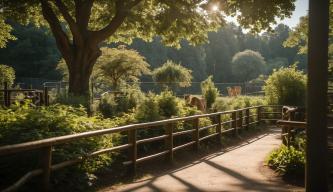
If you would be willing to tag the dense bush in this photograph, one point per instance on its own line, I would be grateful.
(149, 109)
(286, 86)
(168, 104)
(22, 124)
(209, 91)
(172, 75)
(289, 161)
(7, 74)
(111, 106)
(247, 65)
(223, 104)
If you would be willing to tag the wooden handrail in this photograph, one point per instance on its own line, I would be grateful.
(7, 149)
(294, 124)
(240, 120)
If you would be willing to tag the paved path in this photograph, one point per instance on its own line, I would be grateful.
(238, 169)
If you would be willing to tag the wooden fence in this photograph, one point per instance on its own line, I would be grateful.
(237, 120)
(38, 97)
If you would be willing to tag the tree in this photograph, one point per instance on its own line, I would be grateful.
(5, 32)
(171, 74)
(209, 91)
(80, 26)
(34, 53)
(247, 65)
(7, 75)
(118, 65)
(286, 86)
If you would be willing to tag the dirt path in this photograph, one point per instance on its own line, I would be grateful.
(233, 169)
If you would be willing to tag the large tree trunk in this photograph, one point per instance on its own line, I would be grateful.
(80, 69)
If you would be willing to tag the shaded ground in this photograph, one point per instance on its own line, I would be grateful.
(232, 169)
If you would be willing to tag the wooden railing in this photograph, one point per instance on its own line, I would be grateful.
(237, 120)
(38, 97)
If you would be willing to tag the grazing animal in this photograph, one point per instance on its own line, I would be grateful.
(195, 101)
(234, 91)
(237, 90)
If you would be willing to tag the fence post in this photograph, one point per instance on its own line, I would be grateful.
(169, 141)
(5, 95)
(247, 119)
(46, 162)
(259, 109)
(219, 129)
(133, 151)
(240, 117)
(46, 96)
(234, 121)
(196, 135)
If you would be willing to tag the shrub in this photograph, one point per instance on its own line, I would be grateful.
(209, 91)
(286, 86)
(247, 65)
(223, 104)
(149, 109)
(111, 106)
(7, 74)
(171, 75)
(288, 161)
(22, 124)
(168, 104)
(108, 106)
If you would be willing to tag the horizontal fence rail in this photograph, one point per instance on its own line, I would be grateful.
(224, 122)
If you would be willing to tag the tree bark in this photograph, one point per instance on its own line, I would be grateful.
(81, 51)
(80, 69)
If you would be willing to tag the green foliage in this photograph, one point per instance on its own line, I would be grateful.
(247, 65)
(286, 86)
(5, 32)
(111, 106)
(22, 123)
(275, 64)
(117, 65)
(7, 74)
(33, 55)
(149, 109)
(209, 91)
(288, 161)
(224, 103)
(168, 104)
(71, 100)
(171, 74)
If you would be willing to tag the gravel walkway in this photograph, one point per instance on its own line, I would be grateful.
(233, 169)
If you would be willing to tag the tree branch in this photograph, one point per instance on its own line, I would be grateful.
(71, 23)
(122, 9)
(62, 40)
(83, 12)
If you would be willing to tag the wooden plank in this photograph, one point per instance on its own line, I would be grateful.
(169, 141)
(195, 136)
(46, 161)
(132, 134)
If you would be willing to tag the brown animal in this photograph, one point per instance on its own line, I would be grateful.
(237, 90)
(234, 91)
(195, 101)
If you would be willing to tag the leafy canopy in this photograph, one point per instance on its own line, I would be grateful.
(118, 65)
(209, 91)
(172, 74)
(5, 34)
(286, 86)
(247, 65)
(7, 74)
(173, 20)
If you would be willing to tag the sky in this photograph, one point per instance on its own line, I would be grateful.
(301, 9)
